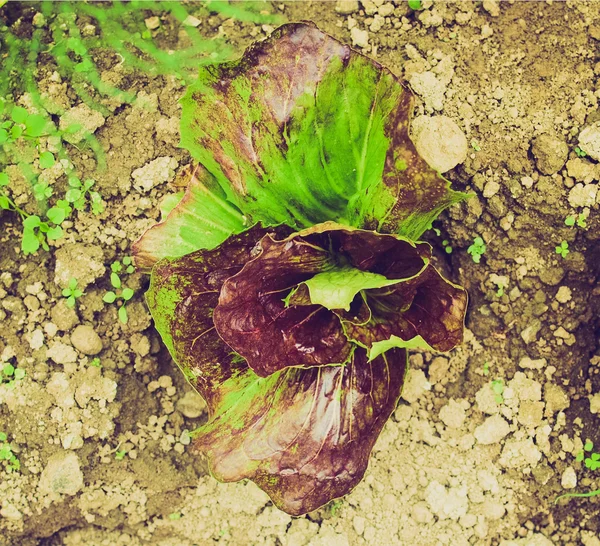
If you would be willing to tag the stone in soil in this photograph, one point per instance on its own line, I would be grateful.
(550, 153)
(191, 405)
(154, 173)
(583, 170)
(589, 140)
(415, 386)
(440, 141)
(346, 7)
(62, 474)
(583, 195)
(85, 263)
(63, 316)
(569, 478)
(451, 503)
(453, 414)
(360, 38)
(85, 339)
(84, 118)
(492, 430)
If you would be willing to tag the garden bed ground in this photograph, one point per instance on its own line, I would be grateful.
(484, 439)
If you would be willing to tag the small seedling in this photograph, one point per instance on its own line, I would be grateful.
(579, 152)
(477, 249)
(79, 191)
(120, 455)
(96, 363)
(6, 454)
(475, 145)
(175, 516)
(563, 249)
(447, 247)
(486, 368)
(335, 506)
(498, 389)
(117, 267)
(72, 293)
(592, 462)
(9, 375)
(121, 292)
(21, 124)
(415, 5)
(36, 233)
(578, 219)
(42, 191)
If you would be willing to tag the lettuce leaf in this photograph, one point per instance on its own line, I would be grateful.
(304, 435)
(301, 130)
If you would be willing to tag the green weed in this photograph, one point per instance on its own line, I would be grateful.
(121, 295)
(563, 249)
(30, 139)
(498, 389)
(12, 463)
(72, 293)
(9, 375)
(591, 461)
(477, 249)
(579, 219)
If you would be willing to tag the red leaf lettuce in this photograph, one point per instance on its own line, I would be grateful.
(272, 290)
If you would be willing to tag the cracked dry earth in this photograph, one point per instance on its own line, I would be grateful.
(484, 439)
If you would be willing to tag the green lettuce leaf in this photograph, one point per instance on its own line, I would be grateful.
(304, 130)
(337, 288)
(202, 219)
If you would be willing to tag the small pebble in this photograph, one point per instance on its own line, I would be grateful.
(85, 339)
(492, 430)
(152, 23)
(550, 153)
(360, 38)
(589, 140)
(440, 141)
(191, 405)
(569, 478)
(346, 7)
(563, 295)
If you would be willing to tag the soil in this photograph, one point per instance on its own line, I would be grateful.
(484, 439)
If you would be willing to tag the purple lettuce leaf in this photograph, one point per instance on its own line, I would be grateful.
(182, 296)
(260, 313)
(254, 320)
(303, 435)
(427, 306)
